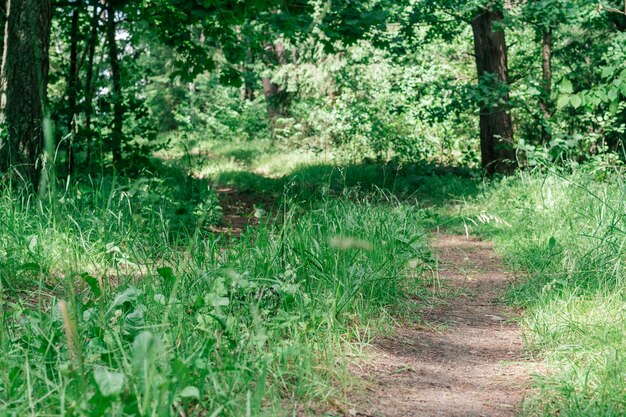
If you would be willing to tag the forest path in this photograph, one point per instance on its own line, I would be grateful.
(465, 359)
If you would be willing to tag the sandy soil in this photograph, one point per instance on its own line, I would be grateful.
(466, 358)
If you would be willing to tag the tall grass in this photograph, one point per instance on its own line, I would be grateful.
(566, 235)
(108, 308)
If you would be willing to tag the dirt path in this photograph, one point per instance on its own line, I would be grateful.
(238, 209)
(465, 360)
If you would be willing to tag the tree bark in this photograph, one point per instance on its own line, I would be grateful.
(546, 66)
(271, 91)
(3, 21)
(116, 76)
(248, 85)
(276, 97)
(91, 51)
(248, 76)
(496, 126)
(72, 90)
(23, 79)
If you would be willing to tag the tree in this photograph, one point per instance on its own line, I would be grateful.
(276, 96)
(496, 126)
(72, 85)
(486, 18)
(89, 90)
(23, 78)
(243, 30)
(116, 77)
(546, 16)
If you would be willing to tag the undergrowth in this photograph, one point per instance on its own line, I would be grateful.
(118, 300)
(110, 307)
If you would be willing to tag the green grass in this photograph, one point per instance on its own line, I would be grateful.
(110, 307)
(309, 175)
(566, 236)
(117, 300)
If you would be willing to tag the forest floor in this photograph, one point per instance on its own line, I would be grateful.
(456, 347)
(464, 359)
(464, 356)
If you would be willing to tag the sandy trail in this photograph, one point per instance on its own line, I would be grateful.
(465, 360)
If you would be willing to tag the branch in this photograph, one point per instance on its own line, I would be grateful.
(456, 16)
(613, 9)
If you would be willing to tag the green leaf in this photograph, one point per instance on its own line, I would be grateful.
(551, 243)
(566, 87)
(30, 266)
(190, 392)
(167, 274)
(576, 100)
(217, 301)
(562, 101)
(133, 323)
(109, 383)
(168, 279)
(89, 314)
(607, 72)
(93, 284)
(128, 295)
(146, 347)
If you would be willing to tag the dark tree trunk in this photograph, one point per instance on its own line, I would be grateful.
(277, 98)
(496, 127)
(248, 76)
(546, 66)
(24, 77)
(118, 105)
(271, 91)
(193, 88)
(248, 91)
(3, 21)
(72, 82)
(91, 51)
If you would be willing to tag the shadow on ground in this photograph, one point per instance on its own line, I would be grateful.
(429, 184)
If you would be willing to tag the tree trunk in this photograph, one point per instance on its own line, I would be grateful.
(248, 85)
(23, 78)
(277, 98)
(118, 105)
(546, 66)
(248, 76)
(72, 81)
(496, 127)
(91, 51)
(3, 21)
(271, 91)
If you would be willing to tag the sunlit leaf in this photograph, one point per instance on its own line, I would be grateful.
(562, 101)
(109, 383)
(190, 392)
(566, 87)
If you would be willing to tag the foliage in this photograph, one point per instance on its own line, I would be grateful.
(356, 126)
(254, 326)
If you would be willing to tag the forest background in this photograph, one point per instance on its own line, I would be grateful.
(125, 125)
